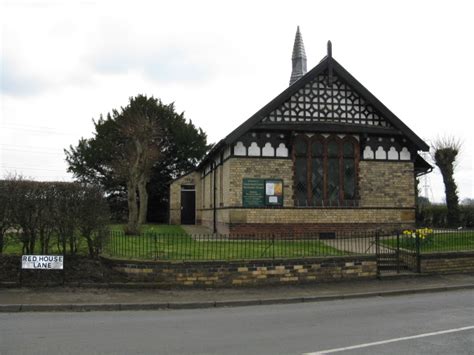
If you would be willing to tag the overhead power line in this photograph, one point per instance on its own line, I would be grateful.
(32, 168)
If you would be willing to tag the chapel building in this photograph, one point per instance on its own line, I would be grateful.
(325, 156)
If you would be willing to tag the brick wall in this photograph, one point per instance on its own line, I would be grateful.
(250, 273)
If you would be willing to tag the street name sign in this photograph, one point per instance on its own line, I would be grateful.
(44, 262)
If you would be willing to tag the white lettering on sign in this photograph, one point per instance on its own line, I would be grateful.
(52, 262)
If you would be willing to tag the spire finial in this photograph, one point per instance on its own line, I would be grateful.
(330, 75)
(298, 58)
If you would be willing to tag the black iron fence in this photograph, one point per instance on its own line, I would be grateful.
(155, 246)
(183, 247)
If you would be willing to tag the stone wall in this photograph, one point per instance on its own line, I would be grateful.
(450, 262)
(175, 196)
(240, 168)
(308, 220)
(386, 190)
(386, 184)
(250, 273)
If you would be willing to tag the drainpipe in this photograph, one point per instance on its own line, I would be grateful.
(215, 198)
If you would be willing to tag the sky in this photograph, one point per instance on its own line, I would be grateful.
(63, 63)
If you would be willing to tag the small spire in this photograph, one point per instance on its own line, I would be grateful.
(298, 58)
(330, 73)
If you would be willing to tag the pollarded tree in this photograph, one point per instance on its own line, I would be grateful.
(444, 152)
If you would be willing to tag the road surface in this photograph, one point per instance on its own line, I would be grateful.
(438, 323)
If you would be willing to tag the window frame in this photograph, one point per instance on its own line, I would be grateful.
(324, 202)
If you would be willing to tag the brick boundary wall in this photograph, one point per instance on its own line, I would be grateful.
(299, 229)
(249, 273)
(449, 262)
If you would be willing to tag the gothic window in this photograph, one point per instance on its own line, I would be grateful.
(301, 171)
(325, 170)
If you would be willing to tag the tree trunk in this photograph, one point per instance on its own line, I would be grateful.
(143, 194)
(132, 226)
(452, 200)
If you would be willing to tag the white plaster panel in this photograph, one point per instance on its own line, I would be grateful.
(254, 150)
(405, 154)
(380, 153)
(239, 149)
(282, 150)
(392, 154)
(368, 153)
(268, 151)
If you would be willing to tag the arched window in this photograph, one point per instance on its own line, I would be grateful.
(325, 170)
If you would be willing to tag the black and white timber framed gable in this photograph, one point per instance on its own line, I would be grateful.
(327, 100)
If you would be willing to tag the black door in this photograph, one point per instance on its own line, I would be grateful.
(188, 205)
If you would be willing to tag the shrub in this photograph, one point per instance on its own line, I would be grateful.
(38, 211)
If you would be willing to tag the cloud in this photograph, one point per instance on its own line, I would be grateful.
(16, 82)
(166, 65)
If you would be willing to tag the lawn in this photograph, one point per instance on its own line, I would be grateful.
(160, 242)
(439, 242)
(13, 245)
(170, 242)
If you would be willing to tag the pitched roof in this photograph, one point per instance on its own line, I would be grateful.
(350, 80)
(327, 63)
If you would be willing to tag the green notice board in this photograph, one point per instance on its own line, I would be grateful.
(253, 193)
(262, 192)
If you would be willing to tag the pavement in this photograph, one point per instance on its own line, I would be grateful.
(104, 297)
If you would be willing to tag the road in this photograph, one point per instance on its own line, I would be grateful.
(443, 322)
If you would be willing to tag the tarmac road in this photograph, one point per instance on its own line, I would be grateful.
(442, 323)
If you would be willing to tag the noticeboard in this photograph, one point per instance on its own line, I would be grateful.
(262, 192)
(253, 194)
(274, 192)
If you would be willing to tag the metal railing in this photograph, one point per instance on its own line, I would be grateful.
(156, 246)
(183, 247)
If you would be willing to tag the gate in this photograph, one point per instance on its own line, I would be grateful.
(395, 256)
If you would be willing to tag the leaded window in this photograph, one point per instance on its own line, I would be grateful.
(325, 170)
(301, 169)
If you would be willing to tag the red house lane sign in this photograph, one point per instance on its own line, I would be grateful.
(42, 262)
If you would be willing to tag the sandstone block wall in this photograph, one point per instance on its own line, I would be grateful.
(386, 184)
(250, 273)
(386, 191)
(445, 263)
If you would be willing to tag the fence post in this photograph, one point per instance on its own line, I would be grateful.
(155, 248)
(418, 259)
(398, 252)
(273, 246)
(377, 251)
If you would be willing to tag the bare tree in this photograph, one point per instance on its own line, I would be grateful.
(445, 151)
